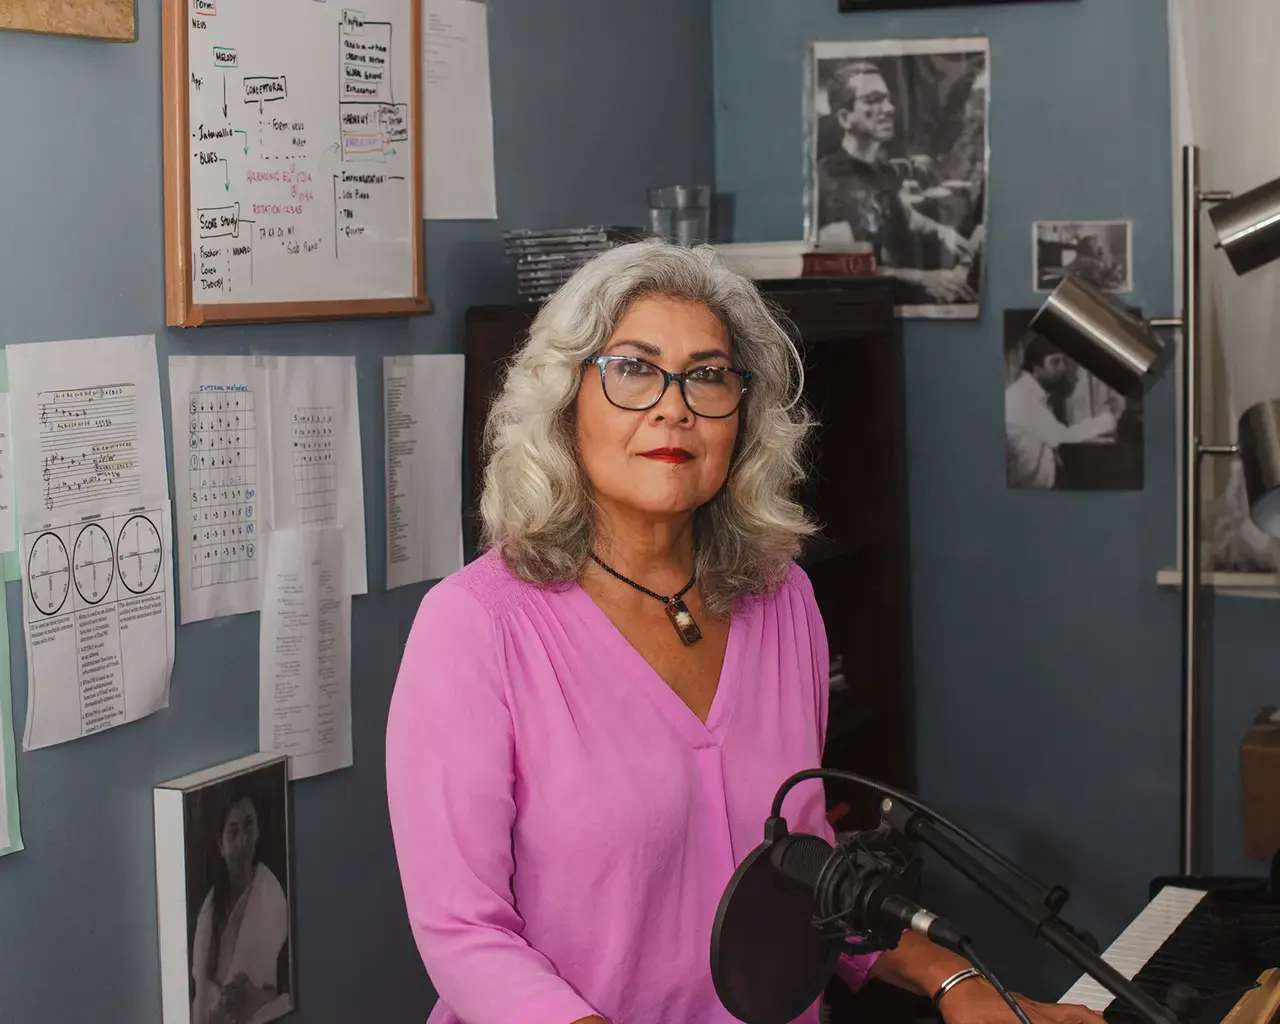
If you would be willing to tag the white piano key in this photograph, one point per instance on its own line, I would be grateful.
(1137, 944)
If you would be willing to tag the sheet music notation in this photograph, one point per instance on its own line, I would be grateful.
(88, 444)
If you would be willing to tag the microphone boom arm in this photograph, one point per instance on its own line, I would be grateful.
(915, 820)
(1053, 896)
(1042, 921)
(1046, 926)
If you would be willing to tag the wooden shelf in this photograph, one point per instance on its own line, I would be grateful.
(1228, 584)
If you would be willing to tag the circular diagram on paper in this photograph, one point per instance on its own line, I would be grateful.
(138, 554)
(48, 573)
(92, 563)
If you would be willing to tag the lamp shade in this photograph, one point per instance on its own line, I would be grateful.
(1248, 227)
(1259, 442)
(1108, 341)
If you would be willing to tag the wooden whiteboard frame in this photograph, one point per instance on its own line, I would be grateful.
(180, 308)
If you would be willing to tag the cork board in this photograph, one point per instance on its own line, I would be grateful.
(93, 19)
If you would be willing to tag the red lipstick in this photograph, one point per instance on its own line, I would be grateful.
(672, 455)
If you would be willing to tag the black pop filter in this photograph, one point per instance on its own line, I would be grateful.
(768, 960)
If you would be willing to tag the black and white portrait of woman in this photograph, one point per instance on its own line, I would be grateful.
(238, 904)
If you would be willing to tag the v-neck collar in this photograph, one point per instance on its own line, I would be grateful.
(682, 717)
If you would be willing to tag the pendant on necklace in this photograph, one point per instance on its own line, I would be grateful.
(680, 616)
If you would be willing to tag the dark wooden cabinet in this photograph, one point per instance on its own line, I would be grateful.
(492, 334)
(857, 489)
(852, 350)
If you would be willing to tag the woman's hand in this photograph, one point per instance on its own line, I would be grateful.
(919, 966)
(976, 1002)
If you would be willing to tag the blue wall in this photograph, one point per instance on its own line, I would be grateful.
(582, 125)
(1047, 669)
(1047, 666)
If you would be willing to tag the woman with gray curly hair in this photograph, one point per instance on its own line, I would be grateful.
(592, 718)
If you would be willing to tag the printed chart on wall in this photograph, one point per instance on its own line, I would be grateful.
(304, 652)
(422, 409)
(96, 543)
(222, 481)
(260, 443)
(317, 479)
(302, 178)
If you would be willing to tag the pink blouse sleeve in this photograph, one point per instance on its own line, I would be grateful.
(450, 791)
(854, 970)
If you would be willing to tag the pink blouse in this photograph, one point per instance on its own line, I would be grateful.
(565, 825)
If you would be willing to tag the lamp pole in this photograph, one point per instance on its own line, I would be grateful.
(1191, 522)
(1193, 453)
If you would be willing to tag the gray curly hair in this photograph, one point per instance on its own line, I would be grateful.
(537, 507)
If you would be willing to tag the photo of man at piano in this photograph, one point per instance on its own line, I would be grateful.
(899, 149)
(1065, 429)
(1100, 252)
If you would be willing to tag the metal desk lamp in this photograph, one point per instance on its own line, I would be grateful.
(1124, 352)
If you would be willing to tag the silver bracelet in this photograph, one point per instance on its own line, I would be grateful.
(953, 981)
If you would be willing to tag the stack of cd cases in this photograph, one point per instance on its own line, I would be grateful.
(546, 258)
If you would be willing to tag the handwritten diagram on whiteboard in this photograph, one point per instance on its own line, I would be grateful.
(301, 157)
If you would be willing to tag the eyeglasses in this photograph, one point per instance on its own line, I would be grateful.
(712, 392)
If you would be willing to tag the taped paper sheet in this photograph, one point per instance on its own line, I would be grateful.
(96, 544)
(260, 442)
(219, 409)
(304, 678)
(10, 819)
(457, 150)
(8, 515)
(316, 470)
(423, 412)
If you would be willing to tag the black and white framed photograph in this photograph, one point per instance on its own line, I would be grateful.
(1097, 251)
(223, 887)
(1065, 430)
(852, 6)
(898, 153)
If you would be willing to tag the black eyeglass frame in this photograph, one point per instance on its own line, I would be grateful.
(668, 378)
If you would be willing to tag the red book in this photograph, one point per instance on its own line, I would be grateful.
(839, 264)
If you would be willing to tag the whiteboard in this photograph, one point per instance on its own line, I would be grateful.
(293, 181)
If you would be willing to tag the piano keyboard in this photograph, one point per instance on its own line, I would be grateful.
(1137, 944)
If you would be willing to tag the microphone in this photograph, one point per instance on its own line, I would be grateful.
(858, 884)
(796, 903)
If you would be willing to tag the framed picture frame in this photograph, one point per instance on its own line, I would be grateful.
(897, 155)
(248, 242)
(854, 6)
(224, 866)
(110, 20)
(1100, 251)
(1065, 430)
